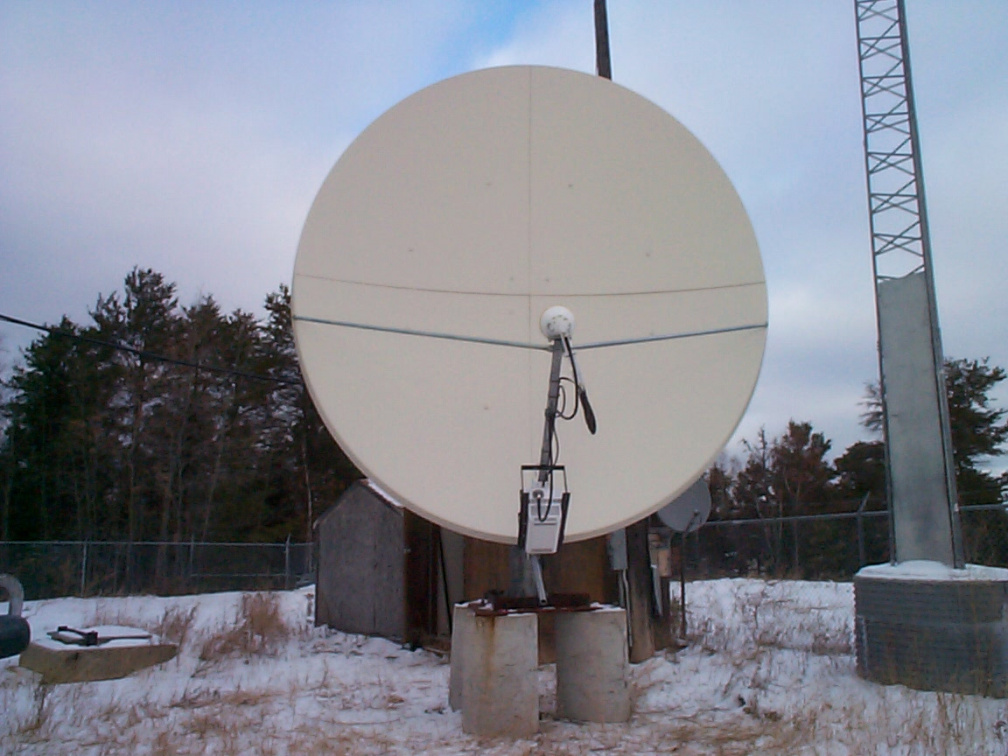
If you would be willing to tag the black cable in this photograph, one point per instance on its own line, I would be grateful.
(570, 356)
(576, 380)
(145, 354)
(580, 393)
(549, 507)
(574, 411)
(562, 397)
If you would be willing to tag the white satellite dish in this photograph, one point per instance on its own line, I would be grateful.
(689, 510)
(445, 232)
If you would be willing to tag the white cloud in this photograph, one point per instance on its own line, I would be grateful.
(192, 138)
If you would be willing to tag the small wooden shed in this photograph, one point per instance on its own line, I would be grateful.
(383, 570)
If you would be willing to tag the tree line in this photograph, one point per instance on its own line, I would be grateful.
(791, 474)
(111, 433)
(163, 422)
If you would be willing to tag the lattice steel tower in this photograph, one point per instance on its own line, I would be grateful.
(920, 476)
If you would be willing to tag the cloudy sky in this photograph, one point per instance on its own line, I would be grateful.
(192, 137)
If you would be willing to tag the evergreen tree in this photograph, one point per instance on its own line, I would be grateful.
(978, 430)
(168, 423)
(978, 433)
(47, 439)
(782, 477)
(310, 469)
(800, 473)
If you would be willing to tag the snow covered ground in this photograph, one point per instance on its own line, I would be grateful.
(769, 669)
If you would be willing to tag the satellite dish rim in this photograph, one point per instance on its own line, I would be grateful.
(319, 386)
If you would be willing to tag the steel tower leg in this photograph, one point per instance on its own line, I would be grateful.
(920, 475)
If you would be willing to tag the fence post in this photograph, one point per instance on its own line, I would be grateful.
(794, 534)
(287, 563)
(860, 532)
(83, 569)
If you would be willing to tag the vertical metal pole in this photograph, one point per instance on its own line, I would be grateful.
(682, 585)
(552, 399)
(83, 569)
(530, 564)
(287, 563)
(860, 532)
(794, 534)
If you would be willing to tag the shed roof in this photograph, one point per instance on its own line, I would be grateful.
(368, 485)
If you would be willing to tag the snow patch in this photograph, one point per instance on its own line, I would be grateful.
(769, 669)
(924, 569)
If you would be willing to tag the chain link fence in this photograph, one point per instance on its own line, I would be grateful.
(824, 546)
(811, 547)
(89, 568)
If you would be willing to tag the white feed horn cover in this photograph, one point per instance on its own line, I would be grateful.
(556, 322)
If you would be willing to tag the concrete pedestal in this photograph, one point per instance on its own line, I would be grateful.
(463, 620)
(592, 666)
(930, 627)
(493, 673)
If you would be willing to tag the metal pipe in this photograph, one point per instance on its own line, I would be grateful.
(15, 634)
(15, 594)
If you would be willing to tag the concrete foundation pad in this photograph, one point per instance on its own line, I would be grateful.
(493, 673)
(592, 666)
(61, 663)
(927, 626)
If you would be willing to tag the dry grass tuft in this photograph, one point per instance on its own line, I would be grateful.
(222, 700)
(36, 725)
(260, 630)
(213, 727)
(175, 625)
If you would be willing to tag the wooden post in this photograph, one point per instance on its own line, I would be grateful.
(640, 599)
(603, 63)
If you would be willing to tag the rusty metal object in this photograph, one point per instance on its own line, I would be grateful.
(496, 604)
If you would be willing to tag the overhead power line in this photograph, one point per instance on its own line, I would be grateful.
(145, 355)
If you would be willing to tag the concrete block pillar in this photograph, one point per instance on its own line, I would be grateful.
(592, 666)
(463, 620)
(493, 673)
(931, 627)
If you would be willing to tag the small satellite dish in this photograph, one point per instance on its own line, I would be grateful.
(689, 510)
(442, 238)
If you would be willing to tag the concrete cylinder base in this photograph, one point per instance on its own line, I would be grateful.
(592, 666)
(463, 619)
(493, 673)
(927, 626)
